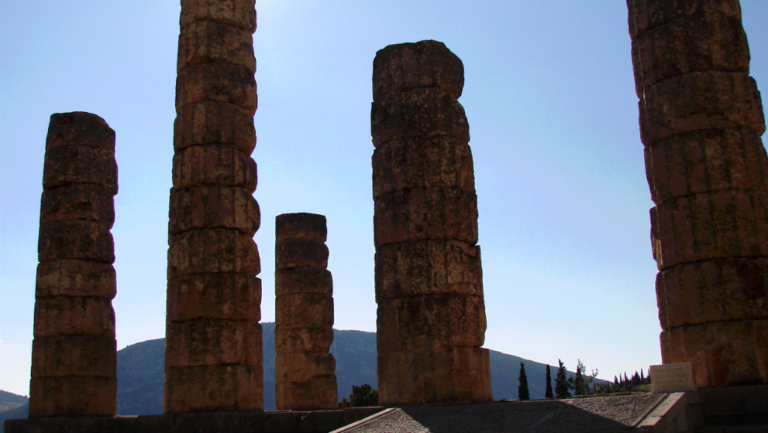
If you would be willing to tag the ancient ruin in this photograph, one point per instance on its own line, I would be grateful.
(429, 289)
(213, 354)
(74, 355)
(701, 119)
(305, 371)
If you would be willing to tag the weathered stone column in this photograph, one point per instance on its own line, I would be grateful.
(305, 371)
(213, 357)
(74, 357)
(701, 119)
(429, 288)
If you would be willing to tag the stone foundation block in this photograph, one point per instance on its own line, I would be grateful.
(403, 67)
(213, 250)
(431, 162)
(237, 13)
(317, 394)
(304, 226)
(67, 165)
(722, 354)
(214, 165)
(700, 100)
(211, 41)
(233, 84)
(79, 129)
(428, 268)
(692, 43)
(81, 240)
(648, 14)
(213, 342)
(709, 226)
(301, 339)
(459, 375)
(424, 113)
(74, 355)
(62, 315)
(713, 291)
(213, 388)
(75, 278)
(706, 161)
(211, 122)
(306, 309)
(78, 202)
(425, 214)
(303, 367)
(226, 296)
(212, 208)
(295, 281)
(72, 396)
(430, 322)
(297, 253)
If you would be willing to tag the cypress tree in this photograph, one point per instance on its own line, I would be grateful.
(579, 384)
(548, 392)
(561, 382)
(522, 389)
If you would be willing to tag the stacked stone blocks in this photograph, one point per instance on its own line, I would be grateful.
(74, 358)
(701, 119)
(305, 370)
(431, 313)
(213, 338)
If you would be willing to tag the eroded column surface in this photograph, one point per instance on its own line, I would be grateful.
(305, 371)
(74, 358)
(429, 288)
(701, 119)
(213, 358)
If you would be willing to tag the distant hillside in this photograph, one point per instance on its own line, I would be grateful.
(140, 372)
(10, 401)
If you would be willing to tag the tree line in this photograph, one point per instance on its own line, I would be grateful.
(581, 384)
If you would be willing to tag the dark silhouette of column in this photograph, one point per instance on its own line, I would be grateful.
(429, 289)
(74, 357)
(701, 119)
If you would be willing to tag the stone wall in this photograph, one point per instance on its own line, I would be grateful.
(429, 289)
(74, 357)
(213, 338)
(305, 370)
(701, 119)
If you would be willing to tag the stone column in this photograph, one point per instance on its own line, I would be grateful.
(213, 355)
(429, 288)
(701, 119)
(305, 371)
(74, 357)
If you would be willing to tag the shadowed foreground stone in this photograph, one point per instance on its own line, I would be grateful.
(305, 371)
(701, 118)
(213, 359)
(74, 358)
(431, 313)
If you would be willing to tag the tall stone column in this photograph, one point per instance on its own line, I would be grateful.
(305, 371)
(74, 357)
(701, 119)
(213, 358)
(429, 288)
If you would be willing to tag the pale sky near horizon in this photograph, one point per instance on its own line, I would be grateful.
(550, 98)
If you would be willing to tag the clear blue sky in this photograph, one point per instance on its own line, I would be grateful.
(549, 95)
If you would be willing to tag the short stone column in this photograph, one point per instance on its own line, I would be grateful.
(305, 371)
(213, 359)
(701, 119)
(74, 357)
(429, 288)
